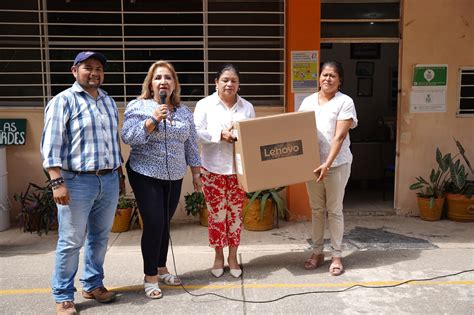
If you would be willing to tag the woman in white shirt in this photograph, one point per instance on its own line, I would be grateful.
(214, 117)
(335, 115)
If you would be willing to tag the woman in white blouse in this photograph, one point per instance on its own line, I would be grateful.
(214, 117)
(335, 115)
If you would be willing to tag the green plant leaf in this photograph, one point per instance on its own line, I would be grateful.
(416, 186)
(125, 202)
(439, 156)
(434, 176)
(194, 203)
(458, 177)
(445, 162)
(263, 202)
(263, 196)
(254, 196)
(432, 201)
(422, 180)
(280, 204)
(460, 147)
(463, 154)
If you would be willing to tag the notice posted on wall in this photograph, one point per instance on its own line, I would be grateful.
(304, 71)
(299, 97)
(427, 101)
(428, 91)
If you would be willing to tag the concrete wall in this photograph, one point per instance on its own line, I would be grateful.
(433, 32)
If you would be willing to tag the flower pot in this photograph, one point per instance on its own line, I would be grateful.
(432, 213)
(460, 208)
(252, 221)
(136, 219)
(122, 220)
(203, 216)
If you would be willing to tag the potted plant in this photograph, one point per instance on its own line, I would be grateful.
(195, 204)
(123, 214)
(38, 211)
(460, 190)
(431, 196)
(136, 218)
(260, 207)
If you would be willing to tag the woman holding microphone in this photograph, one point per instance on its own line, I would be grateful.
(163, 140)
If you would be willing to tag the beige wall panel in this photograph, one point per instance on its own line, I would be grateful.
(434, 32)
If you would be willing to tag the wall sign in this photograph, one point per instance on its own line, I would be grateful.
(429, 86)
(12, 131)
(430, 75)
(304, 71)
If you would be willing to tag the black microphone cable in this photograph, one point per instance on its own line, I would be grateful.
(163, 96)
(286, 295)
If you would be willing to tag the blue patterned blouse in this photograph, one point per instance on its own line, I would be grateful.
(149, 155)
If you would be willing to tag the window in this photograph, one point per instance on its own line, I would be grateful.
(466, 92)
(375, 19)
(40, 39)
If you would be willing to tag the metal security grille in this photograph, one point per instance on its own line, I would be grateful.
(367, 21)
(40, 38)
(466, 92)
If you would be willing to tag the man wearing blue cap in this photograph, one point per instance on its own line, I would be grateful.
(81, 151)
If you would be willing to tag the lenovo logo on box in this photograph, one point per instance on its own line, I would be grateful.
(263, 151)
(281, 150)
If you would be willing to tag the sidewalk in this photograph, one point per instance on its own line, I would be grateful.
(379, 250)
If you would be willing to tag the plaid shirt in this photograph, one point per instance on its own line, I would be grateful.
(80, 133)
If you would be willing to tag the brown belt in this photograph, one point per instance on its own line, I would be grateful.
(98, 172)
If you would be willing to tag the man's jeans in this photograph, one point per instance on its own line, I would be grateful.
(88, 217)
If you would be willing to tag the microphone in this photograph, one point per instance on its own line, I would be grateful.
(163, 102)
(162, 97)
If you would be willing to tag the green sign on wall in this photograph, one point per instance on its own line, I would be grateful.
(12, 131)
(430, 75)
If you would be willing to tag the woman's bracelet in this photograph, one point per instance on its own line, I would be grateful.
(154, 120)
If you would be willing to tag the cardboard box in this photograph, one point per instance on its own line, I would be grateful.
(276, 150)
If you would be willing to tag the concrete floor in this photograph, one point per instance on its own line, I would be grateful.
(378, 251)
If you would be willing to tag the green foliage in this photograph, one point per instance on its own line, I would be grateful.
(450, 176)
(264, 195)
(125, 202)
(459, 183)
(38, 211)
(435, 187)
(194, 202)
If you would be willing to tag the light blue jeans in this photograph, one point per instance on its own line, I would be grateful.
(88, 217)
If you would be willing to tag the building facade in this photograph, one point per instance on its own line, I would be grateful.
(378, 42)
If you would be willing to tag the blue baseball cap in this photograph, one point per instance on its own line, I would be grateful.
(84, 55)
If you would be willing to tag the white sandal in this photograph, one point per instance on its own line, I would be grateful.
(151, 289)
(169, 279)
